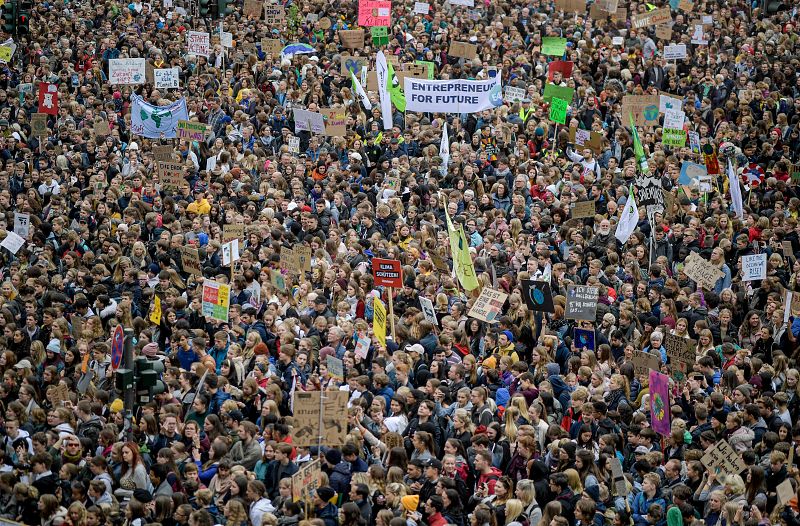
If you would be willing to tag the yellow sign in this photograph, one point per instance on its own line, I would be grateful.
(5, 54)
(155, 314)
(379, 321)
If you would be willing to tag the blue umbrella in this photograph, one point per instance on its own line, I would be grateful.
(297, 49)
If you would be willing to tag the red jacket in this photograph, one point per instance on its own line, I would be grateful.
(490, 479)
(437, 520)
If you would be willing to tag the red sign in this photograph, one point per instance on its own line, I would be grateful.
(48, 98)
(561, 66)
(387, 272)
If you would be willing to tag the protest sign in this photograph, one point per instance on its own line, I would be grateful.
(380, 35)
(698, 269)
(651, 18)
(428, 310)
(659, 403)
(583, 209)
(288, 259)
(514, 94)
(374, 13)
(22, 224)
(673, 118)
(422, 8)
(722, 458)
(335, 367)
(127, 71)
(560, 66)
(617, 477)
(644, 109)
(216, 300)
(271, 46)
(675, 52)
(489, 305)
(190, 261)
(664, 33)
(48, 98)
(231, 232)
(334, 418)
(588, 139)
(306, 407)
(452, 96)
(649, 195)
(230, 252)
(198, 43)
(387, 272)
(274, 14)
(252, 8)
(170, 174)
(167, 78)
(39, 125)
(675, 137)
(691, 172)
(335, 121)
(352, 38)
(754, 267)
(581, 302)
(554, 46)
(785, 490)
(562, 92)
(277, 280)
(558, 110)
(306, 481)
(571, 6)
(669, 102)
(157, 122)
(463, 50)
(465, 3)
(310, 121)
(5, 54)
(583, 339)
(379, 321)
(681, 355)
(362, 345)
(643, 362)
(193, 131)
(303, 254)
(294, 144)
(537, 295)
(430, 67)
(162, 152)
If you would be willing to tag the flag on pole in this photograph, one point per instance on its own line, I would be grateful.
(638, 151)
(395, 91)
(359, 89)
(382, 71)
(628, 219)
(736, 191)
(459, 250)
(444, 149)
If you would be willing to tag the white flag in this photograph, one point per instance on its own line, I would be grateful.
(628, 220)
(360, 92)
(444, 149)
(230, 252)
(382, 70)
(736, 191)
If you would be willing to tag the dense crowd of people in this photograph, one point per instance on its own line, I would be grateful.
(452, 420)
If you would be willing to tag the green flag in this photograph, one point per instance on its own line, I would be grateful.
(395, 91)
(638, 151)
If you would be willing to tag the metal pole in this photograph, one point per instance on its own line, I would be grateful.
(129, 396)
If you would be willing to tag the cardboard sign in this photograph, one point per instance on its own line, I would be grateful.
(571, 6)
(162, 153)
(352, 38)
(198, 43)
(681, 355)
(592, 140)
(277, 280)
(785, 490)
(620, 484)
(306, 481)
(274, 14)
(170, 174)
(288, 259)
(488, 305)
(463, 50)
(723, 458)
(644, 109)
(537, 295)
(354, 64)
(303, 257)
(128, 71)
(583, 209)
(39, 125)
(374, 13)
(754, 267)
(307, 407)
(701, 271)
(193, 131)
(190, 261)
(101, 128)
(581, 302)
(271, 46)
(664, 33)
(651, 18)
(335, 121)
(252, 8)
(335, 368)
(674, 118)
(231, 232)
(387, 272)
(379, 320)
(644, 362)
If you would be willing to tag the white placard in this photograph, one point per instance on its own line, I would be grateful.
(128, 71)
(22, 224)
(294, 144)
(305, 120)
(226, 39)
(708, 20)
(675, 52)
(230, 252)
(754, 267)
(665, 102)
(12, 242)
(211, 163)
(788, 310)
(513, 93)
(467, 3)
(674, 119)
(198, 43)
(422, 8)
(428, 311)
(617, 41)
(698, 37)
(582, 136)
(167, 78)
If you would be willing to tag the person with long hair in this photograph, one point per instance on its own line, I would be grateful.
(134, 474)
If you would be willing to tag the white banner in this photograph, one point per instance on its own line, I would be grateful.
(198, 44)
(665, 102)
(126, 71)
(305, 120)
(422, 8)
(167, 78)
(453, 96)
(675, 52)
(674, 119)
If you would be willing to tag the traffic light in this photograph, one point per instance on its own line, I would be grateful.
(144, 379)
(24, 10)
(9, 10)
(208, 9)
(225, 8)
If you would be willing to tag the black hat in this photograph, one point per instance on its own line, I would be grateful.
(142, 495)
(325, 493)
(434, 463)
(236, 415)
(333, 456)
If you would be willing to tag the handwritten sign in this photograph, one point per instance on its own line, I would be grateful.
(39, 125)
(488, 305)
(754, 267)
(374, 13)
(644, 109)
(583, 209)
(701, 271)
(167, 78)
(252, 8)
(190, 260)
(126, 71)
(722, 458)
(422, 8)
(231, 232)
(352, 38)
(305, 120)
(274, 14)
(651, 18)
(463, 50)
(643, 362)
(558, 110)
(306, 481)
(198, 43)
(170, 174)
(680, 352)
(581, 302)
(193, 131)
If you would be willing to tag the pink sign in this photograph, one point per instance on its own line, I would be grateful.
(374, 13)
(659, 403)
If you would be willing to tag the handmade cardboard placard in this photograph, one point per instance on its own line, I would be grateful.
(352, 38)
(571, 6)
(587, 139)
(644, 109)
(463, 50)
(274, 14)
(583, 209)
(651, 18)
(723, 458)
(581, 302)
(253, 8)
(489, 305)
(335, 121)
(643, 362)
(354, 64)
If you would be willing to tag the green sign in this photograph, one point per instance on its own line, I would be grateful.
(554, 46)
(558, 110)
(673, 137)
(380, 35)
(429, 65)
(562, 92)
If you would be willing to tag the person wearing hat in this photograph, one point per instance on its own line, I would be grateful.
(338, 471)
(323, 508)
(433, 468)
